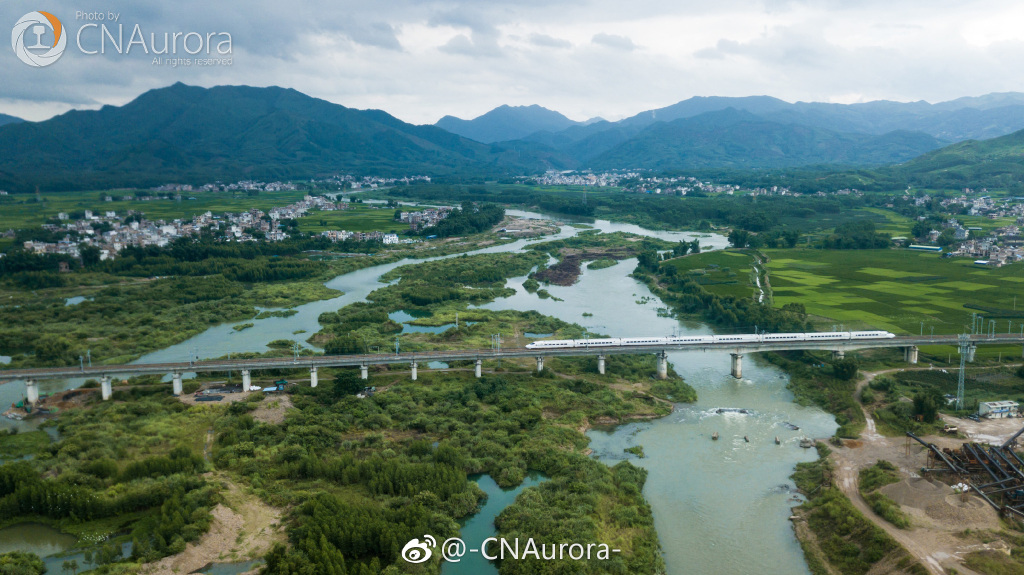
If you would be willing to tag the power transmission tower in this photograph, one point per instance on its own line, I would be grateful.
(964, 341)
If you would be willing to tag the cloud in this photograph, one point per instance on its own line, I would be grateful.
(545, 41)
(478, 45)
(614, 41)
(377, 34)
(422, 59)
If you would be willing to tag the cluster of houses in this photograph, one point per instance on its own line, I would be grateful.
(111, 232)
(574, 178)
(343, 235)
(244, 185)
(425, 218)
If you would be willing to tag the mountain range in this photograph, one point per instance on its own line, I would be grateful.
(725, 130)
(189, 134)
(5, 119)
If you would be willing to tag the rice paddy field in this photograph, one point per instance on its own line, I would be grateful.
(357, 218)
(722, 272)
(897, 290)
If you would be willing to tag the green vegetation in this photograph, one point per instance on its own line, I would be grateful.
(879, 475)
(18, 563)
(355, 218)
(124, 469)
(601, 264)
(722, 272)
(14, 445)
(28, 212)
(894, 290)
(242, 326)
(637, 450)
(813, 381)
(837, 537)
(368, 474)
(686, 293)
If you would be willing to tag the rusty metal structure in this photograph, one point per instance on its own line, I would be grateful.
(994, 472)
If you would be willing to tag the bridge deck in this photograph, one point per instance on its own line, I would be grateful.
(219, 365)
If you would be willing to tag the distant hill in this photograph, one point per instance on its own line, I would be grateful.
(192, 135)
(507, 123)
(5, 119)
(997, 162)
(737, 139)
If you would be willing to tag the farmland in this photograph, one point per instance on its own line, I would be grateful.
(723, 272)
(357, 218)
(897, 290)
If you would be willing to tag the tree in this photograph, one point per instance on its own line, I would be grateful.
(398, 215)
(739, 238)
(20, 563)
(347, 382)
(926, 406)
(921, 229)
(845, 369)
(90, 255)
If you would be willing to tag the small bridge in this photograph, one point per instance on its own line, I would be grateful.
(909, 344)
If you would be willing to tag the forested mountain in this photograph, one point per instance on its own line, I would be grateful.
(193, 135)
(783, 134)
(5, 119)
(997, 162)
(506, 123)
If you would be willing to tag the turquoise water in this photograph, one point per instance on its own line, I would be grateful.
(481, 525)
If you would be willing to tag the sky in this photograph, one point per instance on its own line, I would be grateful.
(421, 60)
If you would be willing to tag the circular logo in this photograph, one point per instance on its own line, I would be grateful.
(27, 39)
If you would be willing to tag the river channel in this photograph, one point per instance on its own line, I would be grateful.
(720, 507)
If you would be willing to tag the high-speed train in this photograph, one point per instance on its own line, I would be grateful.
(706, 339)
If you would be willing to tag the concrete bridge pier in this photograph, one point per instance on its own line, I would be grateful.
(176, 382)
(737, 365)
(364, 371)
(838, 354)
(105, 390)
(31, 392)
(540, 363)
(478, 370)
(662, 365)
(600, 364)
(912, 354)
(246, 380)
(414, 366)
(970, 353)
(313, 377)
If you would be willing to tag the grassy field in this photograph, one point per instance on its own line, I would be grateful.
(896, 290)
(32, 215)
(721, 272)
(357, 218)
(894, 224)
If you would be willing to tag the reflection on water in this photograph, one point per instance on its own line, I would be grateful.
(481, 525)
(35, 538)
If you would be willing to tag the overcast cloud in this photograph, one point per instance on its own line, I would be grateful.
(420, 60)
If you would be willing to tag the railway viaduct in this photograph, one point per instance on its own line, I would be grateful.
(909, 344)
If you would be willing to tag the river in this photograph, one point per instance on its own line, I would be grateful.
(719, 506)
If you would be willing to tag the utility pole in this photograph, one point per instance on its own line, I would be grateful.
(88, 357)
(964, 341)
(396, 345)
(295, 351)
(81, 363)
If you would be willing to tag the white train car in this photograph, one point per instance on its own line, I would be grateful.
(871, 335)
(708, 339)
